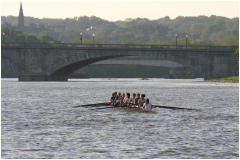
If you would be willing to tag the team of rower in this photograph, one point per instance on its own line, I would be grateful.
(137, 100)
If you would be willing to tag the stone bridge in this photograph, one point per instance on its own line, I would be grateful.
(54, 62)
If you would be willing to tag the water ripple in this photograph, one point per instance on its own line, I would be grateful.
(39, 122)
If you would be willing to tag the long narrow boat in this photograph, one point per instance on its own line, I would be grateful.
(128, 107)
(136, 109)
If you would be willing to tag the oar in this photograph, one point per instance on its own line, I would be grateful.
(113, 106)
(105, 107)
(168, 107)
(93, 105)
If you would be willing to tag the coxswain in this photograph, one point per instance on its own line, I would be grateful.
(147, 104)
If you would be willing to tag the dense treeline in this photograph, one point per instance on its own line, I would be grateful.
(13, 35)
(201, 30)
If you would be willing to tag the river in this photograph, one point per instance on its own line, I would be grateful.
(39, 120)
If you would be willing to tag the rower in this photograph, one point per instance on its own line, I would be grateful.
(116, 101)
(113, 97)
(121, 98)
(147, 104)
(136, 100)
(127, 98)
(132, 100)
(142, 100)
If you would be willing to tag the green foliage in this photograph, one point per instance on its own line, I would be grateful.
(12, 35)
(213, 30)
(154, 37)
(84, 41)
(196, 29)
(227, 41)
(235, 78)
(46, 39)
(237, 50)
(50, 33)
(127, 38)
(31, 39)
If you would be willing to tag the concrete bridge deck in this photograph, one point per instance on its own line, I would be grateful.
(118, 46)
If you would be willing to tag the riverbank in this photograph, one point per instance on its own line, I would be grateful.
(225, 80)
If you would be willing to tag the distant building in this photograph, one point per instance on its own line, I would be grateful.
(57, 28)
(35, 28)
(21, 19)
(89, 29)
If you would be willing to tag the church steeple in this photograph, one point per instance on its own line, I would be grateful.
(21, 19)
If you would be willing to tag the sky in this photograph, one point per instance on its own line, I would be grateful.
(114, 10)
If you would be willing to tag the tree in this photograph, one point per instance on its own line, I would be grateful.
(12, 35)
(51, 33)
(196, 30)
(46, 39)
(100, 35)
(237, 50)
(219, 24)
(31, 39)
(72, 34)
(201, 29)
(127, 37)
(227, 41)
(226, 33)
(154, 37)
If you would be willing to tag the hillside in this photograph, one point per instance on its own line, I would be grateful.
(213, 30)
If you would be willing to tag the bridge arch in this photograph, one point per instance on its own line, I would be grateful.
(66, 70)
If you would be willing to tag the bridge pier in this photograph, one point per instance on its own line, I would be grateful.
(41, 78)
(57, 78)
(29, 77)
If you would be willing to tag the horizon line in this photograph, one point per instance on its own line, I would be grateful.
(120, 20)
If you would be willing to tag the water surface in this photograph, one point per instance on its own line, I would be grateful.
(38, 120)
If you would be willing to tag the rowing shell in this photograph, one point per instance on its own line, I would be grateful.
(137, 109)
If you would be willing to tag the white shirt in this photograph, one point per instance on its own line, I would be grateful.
(148, 105)
(127, 100)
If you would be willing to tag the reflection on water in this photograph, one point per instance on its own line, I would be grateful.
(39, 122)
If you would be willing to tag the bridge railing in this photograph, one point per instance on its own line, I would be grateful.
(115, 46)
